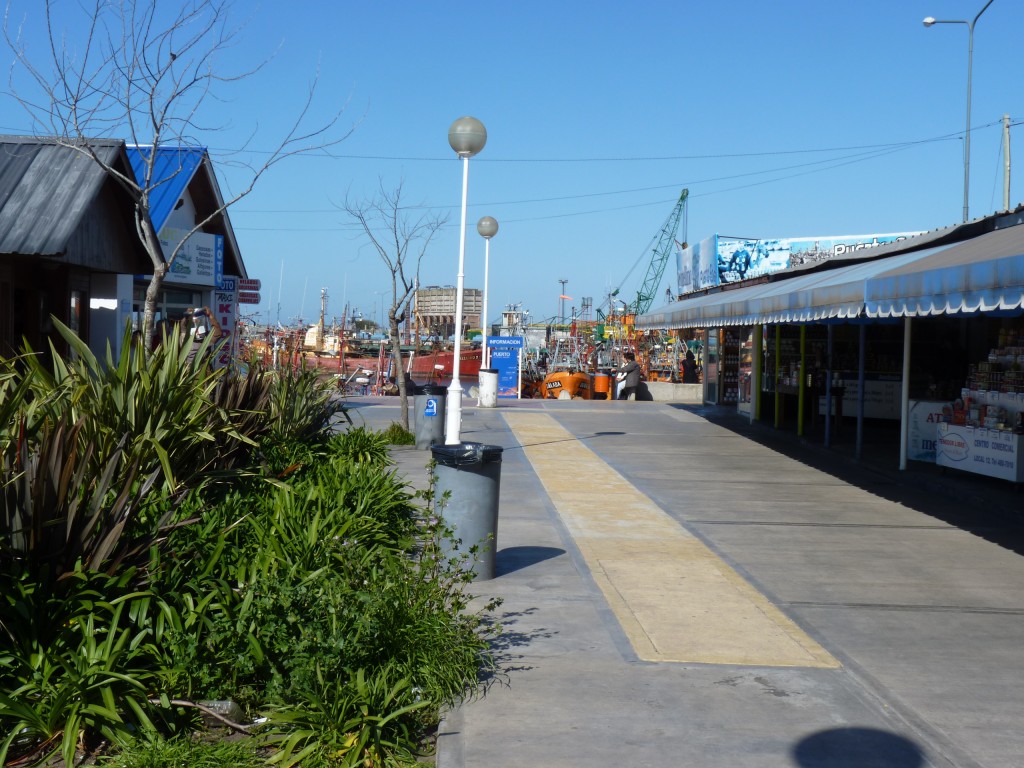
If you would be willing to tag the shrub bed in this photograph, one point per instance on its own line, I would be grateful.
(172, 535)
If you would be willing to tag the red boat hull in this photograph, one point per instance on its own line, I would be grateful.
(438, 366)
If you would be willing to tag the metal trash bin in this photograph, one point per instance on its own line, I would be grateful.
(488, 388)
(469, 474)
(429, 412)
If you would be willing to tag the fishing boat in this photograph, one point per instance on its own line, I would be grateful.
(438, 365)
(568, 385)
(567, 375)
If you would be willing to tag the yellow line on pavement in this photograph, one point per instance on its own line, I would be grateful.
(675, 599)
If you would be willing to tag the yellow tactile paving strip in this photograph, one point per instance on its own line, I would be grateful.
(675, 599)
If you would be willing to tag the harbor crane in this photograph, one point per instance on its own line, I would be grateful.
(660, 254)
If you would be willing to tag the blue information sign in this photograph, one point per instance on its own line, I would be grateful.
(505, 352)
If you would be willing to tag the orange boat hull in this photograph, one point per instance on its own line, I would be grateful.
(563, 385)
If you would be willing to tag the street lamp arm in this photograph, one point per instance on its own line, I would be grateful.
(981, 12)
(929, 21)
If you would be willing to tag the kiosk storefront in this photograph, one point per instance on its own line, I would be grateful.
(906, 298)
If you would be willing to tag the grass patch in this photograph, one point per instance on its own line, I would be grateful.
(195, 753)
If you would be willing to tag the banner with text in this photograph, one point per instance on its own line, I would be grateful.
(717, 260)
(506, 354)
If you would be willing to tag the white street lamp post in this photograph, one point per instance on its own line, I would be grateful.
(929, 21)
(467, 137)
(488, 228)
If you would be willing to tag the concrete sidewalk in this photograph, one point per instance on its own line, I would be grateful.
(858, 619)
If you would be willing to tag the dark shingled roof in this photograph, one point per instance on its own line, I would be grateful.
(45, 189)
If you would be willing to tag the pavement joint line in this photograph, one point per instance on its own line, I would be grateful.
(674, 598)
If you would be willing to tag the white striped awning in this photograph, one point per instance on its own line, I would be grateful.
(983, 274)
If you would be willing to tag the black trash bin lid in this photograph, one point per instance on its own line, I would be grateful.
(432, 389)
(465, 454)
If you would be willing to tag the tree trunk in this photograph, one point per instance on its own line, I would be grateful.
(396, 356)
(151, 242)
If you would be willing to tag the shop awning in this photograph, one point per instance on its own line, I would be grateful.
(808, 297)
(983, 274)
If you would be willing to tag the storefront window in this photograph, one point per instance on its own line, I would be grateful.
(75, 312)
(746, 369)
(170, 305)
(711, 366)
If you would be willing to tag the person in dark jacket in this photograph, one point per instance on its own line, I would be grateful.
(690, 369)
(628, 376)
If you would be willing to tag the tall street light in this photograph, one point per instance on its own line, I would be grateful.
(561, 301)
(929, 21)
(467, 137)
(488, 228)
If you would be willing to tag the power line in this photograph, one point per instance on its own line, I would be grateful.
(826, 164)
(637, 159)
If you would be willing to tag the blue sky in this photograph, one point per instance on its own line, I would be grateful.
(790, 118)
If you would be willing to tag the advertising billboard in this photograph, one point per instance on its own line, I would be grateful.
(718, 260)
(698, 265)
(200, 260)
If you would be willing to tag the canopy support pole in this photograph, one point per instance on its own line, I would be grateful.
(755, 375)
(778, 366)
(905, 395)
(828, 389)
(861, 362)
(801, 398)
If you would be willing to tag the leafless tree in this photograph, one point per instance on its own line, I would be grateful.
(144, 74)
(401, 239)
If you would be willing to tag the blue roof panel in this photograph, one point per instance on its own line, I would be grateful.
(173, 169)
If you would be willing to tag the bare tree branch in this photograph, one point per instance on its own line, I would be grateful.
(401, 240)
(141, 73)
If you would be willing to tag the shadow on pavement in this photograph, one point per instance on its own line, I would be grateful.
(511, 559)
(988, 508)
(857, 748)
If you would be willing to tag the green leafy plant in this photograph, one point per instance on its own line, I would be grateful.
(57, 511)
(78, 663)
(396, 434)
(363, 446)
(158, 752)
(155, 411)
(303, 405)
(131, 586)
(353, 720)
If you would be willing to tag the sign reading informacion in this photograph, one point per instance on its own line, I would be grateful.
(506, 352)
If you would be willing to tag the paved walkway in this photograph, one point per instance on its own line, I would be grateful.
(680, 590)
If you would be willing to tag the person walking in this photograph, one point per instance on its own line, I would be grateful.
(628, 376)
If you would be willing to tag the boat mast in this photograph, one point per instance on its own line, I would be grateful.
(320, 328)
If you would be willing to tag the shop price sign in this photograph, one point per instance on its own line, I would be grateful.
(990, 452)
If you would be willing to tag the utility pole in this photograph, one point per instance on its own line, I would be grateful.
(1006, 162)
